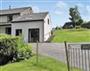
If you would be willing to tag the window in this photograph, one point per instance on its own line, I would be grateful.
(33, 35)
(18, 32)
(8, 30)
(48, 21)
(10, 18)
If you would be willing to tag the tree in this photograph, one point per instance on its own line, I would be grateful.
(75, 16)
(79, 23)
(86, 25)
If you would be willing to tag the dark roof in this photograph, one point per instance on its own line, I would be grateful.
(31, 17)
(13, 11)
(68, 25)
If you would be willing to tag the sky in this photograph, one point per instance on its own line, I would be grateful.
(58, 9)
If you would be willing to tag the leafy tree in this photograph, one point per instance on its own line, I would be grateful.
(86, 25)
(79, 23)
(75, 16)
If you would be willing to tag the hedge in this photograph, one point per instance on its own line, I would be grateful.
(12, 49)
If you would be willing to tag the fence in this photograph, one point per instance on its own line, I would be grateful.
(78, 55)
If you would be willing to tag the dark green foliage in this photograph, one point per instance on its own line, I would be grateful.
(7, 48)
(58, 28)
(86, 25)
(79, 23)
(13, 49)
(75, 16)
(24, 50)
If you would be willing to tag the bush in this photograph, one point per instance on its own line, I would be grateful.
(86, 25)
(23, 49)
(7, 48)
(13, 49)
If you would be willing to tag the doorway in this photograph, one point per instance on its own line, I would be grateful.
(33, 35)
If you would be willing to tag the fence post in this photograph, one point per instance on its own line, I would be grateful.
(37, 53)
(66, 50)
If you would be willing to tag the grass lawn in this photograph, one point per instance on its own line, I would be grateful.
(45, 64)
(72, 35)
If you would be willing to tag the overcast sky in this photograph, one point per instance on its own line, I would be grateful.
(58, 9)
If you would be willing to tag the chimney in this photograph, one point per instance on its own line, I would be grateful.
(9, 7)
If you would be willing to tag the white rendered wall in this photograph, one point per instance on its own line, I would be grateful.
(2, 29)
(28, 25)
(47, 28)
(3, 18)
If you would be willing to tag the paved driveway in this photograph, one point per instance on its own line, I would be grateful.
(55, 50)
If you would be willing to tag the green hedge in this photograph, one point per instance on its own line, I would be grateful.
(13, 48)
(24, 50)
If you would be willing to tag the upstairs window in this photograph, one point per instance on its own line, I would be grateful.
(48, 21)
(10, 17)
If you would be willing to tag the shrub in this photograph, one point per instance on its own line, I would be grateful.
(7, 48)
(13, 49)
(86, 25)
(23, 49)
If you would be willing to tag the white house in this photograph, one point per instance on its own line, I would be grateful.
(33, 26)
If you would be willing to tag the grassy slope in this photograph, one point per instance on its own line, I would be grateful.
(45, 64)
(72, 36)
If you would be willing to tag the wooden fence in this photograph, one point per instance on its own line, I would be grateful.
(78, 56)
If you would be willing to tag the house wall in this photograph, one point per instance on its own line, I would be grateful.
(47, 28)
(28, 25)
(15, 16)
(3, 18)
(2, 29)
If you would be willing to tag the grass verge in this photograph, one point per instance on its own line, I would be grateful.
(45, 64)
(71, 35)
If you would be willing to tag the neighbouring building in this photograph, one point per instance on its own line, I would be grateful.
(23, 21)
(68, 25)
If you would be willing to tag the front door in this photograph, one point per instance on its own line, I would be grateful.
(33, 35)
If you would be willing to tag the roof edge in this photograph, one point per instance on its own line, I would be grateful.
(15, 8)
(27, 21)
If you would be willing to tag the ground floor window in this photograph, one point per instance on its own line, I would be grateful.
(8, 30)
(33, 35)
(18, 32)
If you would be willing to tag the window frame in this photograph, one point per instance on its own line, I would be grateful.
(48, 21)
(18, 32)
(10, 18)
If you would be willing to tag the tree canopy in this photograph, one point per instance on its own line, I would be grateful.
(75, 16)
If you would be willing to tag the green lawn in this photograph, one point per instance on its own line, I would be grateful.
(73, 35)
(45, 64)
